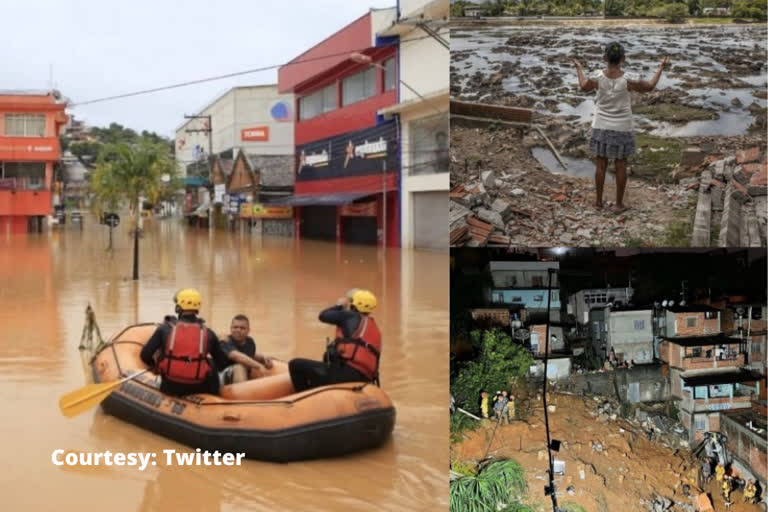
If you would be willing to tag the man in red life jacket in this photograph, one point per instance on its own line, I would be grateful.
(354, 354)
(183, 349)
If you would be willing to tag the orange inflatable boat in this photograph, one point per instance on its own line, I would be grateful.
(264, 418)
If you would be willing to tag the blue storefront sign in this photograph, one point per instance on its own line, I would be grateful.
(357, 153)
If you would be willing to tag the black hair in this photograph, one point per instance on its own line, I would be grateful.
(614, 52)
(242, 318)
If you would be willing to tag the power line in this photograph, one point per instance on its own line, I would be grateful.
(231, 75)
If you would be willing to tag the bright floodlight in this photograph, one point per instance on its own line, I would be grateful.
(671, 303)
(559, 250)
(664, 304)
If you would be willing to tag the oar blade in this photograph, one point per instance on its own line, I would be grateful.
(80, 400)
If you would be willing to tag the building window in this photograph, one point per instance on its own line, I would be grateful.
(696, 352)
(639, 325)
(538, 298)
(517, 299)
(24, 125)
(429, 148)
(319, 102)
(720, 390)
(498, 297)
(690, 322)
(757, 313)
(359, 86)
(700, 422)
(555, 295)
(390, 80)
(710, 315)
(537, 280)
(700, 392)
(756, 347)
(26, 175)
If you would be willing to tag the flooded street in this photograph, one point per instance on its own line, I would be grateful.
(46, 282)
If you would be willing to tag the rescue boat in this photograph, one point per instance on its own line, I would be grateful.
(266, 419)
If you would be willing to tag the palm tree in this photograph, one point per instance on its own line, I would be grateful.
(501, 482)
(127, 173)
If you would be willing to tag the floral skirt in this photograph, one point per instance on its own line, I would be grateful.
(612, 144)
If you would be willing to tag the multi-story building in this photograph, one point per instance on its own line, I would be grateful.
(581, 302)
(705, 367)
(629, 334)
(524, 283)
(348, 169)
(30, 125)
(423, 99)
(253, 121)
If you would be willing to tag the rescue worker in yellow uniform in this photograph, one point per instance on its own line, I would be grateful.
(484, 404)
(750, 491)
(719, 472)
(354, 354)
(178, 350)
(727, 489)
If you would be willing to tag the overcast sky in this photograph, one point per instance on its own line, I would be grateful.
(101, 48)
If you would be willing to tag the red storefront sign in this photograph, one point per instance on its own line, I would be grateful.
(255, 134)
(36, 149)
(359, 209)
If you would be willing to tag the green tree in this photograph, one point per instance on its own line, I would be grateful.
(614, 7)
(694, 7)
(501, 482)
(127, 172)
(499, 361)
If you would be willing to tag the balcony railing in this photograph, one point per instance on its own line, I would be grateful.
(709, 362)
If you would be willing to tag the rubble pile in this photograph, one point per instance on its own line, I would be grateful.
(610, 463)
(496, 180)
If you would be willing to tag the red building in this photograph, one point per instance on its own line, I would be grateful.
(30, 123)
(347, 157)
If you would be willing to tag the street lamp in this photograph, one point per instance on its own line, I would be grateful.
(366, 59)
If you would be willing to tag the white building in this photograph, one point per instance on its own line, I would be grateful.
(422, 26)
(254, 119)
(582, 301)
(629, 332)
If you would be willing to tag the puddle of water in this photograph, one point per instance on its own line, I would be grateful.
(579, 167)
(584, 110)
(729, 124)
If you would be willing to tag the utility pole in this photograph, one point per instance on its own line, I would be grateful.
(384, 203)
(209, 131)
(551, 488)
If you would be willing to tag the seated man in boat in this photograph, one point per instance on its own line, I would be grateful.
(241, 362)
(184, 347)
(354, 354)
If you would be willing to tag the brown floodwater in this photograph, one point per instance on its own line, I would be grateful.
(46, 282)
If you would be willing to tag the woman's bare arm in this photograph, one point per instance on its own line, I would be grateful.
(644, 86)
(585, 84)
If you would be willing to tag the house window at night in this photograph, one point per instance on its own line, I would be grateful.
(359, 86)
(690, 322)
(710, 315)
(24, 125)
(389, 74)
(538, 298)
(555, 295)
(429, 146)
(498, 297)
(720, 391)
(757, 313)
(700, 423)
(639, 325)
(700, 392)
(756, 347)
(696, 352)
(317, 103)
(517, 299)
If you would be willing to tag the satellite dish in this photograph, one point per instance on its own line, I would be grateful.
(664, 304)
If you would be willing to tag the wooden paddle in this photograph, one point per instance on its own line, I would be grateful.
(80, 400)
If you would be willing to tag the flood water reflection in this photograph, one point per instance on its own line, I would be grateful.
(47, 280)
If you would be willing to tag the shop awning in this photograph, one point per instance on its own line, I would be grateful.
(721, 378)
(319, 199)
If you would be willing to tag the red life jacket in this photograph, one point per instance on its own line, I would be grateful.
(362, 349)
(184, 354)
